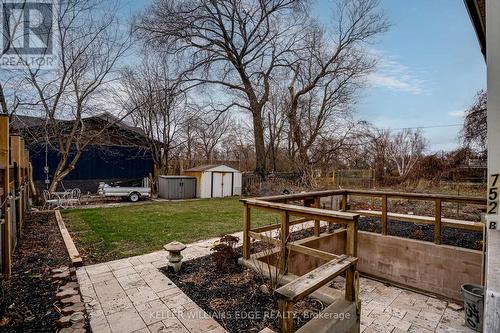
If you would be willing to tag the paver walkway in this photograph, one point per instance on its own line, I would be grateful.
(132, 295)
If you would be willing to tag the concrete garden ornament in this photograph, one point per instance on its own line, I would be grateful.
(174, 254)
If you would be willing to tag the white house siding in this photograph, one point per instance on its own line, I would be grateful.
(492, 295)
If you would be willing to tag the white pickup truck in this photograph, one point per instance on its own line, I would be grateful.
(133, 194)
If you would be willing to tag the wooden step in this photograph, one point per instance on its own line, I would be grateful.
(340, 316)
(306, 284)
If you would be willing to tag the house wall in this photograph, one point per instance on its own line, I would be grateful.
(437, 269)
(492, 295)
(97, 162)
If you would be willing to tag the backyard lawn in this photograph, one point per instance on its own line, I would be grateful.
(103, 234)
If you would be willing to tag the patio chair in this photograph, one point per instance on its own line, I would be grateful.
(75, 197)
(48, 202)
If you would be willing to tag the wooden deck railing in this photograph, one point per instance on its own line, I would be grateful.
(437, 220)
(349, 220)
(305, 207)
(307, 284)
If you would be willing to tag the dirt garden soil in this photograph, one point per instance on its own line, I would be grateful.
(234, 299)
(28, 297)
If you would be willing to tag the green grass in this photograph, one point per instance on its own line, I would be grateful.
(104, 234)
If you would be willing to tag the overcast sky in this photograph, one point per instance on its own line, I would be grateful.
(430, 67)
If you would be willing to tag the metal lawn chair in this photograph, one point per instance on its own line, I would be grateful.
(48, 202)
(74, 199)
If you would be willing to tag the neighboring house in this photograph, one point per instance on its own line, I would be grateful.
(119, 153)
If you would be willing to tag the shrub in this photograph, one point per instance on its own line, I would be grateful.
(223, 254)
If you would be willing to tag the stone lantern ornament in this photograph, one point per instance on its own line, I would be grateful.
(174, 254)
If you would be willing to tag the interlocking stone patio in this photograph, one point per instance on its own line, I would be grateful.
(132, 295)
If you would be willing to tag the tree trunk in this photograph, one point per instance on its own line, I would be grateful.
(63, 170)
(260, 147)
(302, 163)
(55, 179)
(3, 103)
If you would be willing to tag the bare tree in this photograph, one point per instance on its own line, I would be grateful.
(276, 124)
(378, 150)
(233, 44)
(90, 45)
(9, 35)
(158, 104)
(210, 130)
(405, 150)
(326, 76)
(474, 132)
(190, 140)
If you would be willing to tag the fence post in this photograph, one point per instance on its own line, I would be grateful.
(437, 223)
(7, 242)
(23, 180)
(383, 220)
(246, 230)
(344, 202)
(4, 164)
(16, 160)
(284, 240)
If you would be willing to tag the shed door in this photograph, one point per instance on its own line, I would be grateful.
(174, 188)
(227, 185)
(217, 184)
(188, 188)
(222, 184)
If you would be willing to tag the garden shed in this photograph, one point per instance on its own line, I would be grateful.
(216, 180)
(177, 187)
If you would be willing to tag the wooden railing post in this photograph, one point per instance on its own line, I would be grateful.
(383, 220)
(246, 230)
(437, 223)
(351, 245)
(351, 250)
(285, 233)
(349, 284)
(286, 312)
(317, 223)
